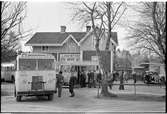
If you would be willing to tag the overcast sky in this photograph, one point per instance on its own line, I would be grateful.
(49, 16)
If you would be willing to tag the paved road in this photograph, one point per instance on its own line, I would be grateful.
(148, 99)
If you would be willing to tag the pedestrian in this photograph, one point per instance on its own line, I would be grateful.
(59, 83)
(89, 80)
(94, 79)
(71, 84)
(99, 78)
(115, 75)
(83, 79)
(134, 76)
(92, 82)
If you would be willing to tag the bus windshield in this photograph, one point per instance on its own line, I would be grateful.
(36, 64)
(27, 64)
(45, 64)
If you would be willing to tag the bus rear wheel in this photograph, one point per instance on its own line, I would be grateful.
(50, 97)
(18, 98)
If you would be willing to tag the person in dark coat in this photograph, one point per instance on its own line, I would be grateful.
(89, 84)
(59, 83)
(134, 77)
(92, 81)
(83, 79)
(99, 78)
(71, 85)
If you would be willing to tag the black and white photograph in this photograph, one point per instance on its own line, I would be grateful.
(83, 57)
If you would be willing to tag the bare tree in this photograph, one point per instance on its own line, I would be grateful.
(13, 14)
(149, 33)
(103, 16)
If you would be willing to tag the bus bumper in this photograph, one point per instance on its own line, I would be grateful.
(35, 93)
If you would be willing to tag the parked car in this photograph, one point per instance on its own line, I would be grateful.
(151, 77)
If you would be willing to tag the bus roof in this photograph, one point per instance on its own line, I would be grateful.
(36, 56)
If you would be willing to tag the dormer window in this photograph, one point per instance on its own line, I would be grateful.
(45, 48)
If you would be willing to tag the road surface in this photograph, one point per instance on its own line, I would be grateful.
(147, 99)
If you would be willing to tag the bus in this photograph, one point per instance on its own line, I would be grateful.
(35, 75)
(7, 72)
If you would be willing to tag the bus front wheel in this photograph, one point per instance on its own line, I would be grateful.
(18, 98)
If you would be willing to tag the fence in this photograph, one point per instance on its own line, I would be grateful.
(146, 85)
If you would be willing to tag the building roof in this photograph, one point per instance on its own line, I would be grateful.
(54, 37)
(59, 37)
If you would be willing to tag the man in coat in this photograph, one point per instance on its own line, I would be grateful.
(71, 85)
(83, 79)
(60, 81)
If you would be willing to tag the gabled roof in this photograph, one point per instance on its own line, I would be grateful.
(54, 37)
(59, 38)
(114, 38)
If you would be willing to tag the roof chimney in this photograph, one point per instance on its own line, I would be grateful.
(88, 28)
(63, 28)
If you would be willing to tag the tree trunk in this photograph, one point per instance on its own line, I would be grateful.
(109, 25)
(104, 90)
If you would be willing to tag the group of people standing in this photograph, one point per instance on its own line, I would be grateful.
(93, 78)
(60, 81)
(89, 79)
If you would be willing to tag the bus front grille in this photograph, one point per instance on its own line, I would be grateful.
(37, 83)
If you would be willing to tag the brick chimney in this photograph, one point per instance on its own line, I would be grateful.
(88, 28)
(62, 28)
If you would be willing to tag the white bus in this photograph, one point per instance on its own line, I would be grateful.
(7, 72)
(35, 75)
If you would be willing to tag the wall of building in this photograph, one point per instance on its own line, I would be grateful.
(89, 54)
(86, 50)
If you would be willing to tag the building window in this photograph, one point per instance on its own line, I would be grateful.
(45, 48)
